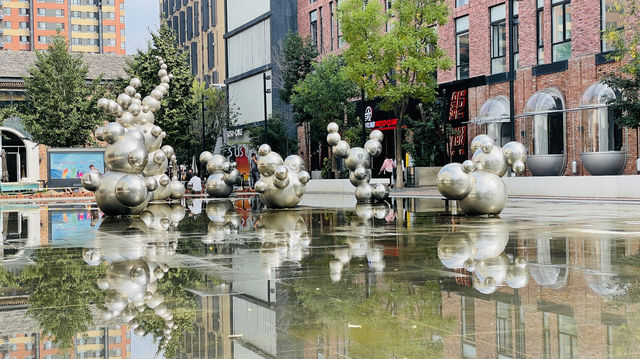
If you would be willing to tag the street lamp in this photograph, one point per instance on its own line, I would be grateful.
(265, 78)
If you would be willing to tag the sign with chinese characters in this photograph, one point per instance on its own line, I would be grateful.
(458, 116)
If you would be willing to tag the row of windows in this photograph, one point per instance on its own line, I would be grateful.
(316, 21)
(188, 23)
(50, 26)
(21, 11)
(560, 34)
(51, 12)
(91, 2)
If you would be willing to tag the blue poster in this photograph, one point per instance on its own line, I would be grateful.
(70, 225)
(69, 165)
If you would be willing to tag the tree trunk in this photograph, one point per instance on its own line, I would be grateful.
(398, 146)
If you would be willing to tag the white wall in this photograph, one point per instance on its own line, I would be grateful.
(247, 97)
(250, 49)
(240, 12)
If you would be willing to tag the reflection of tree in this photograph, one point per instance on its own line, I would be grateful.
(181, 303)
(62, 289)
(7, 281)
(396, 316)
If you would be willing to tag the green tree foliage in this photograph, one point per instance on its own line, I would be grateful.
(62, 289)
(61, 110)
(178, 109)
(278, 139)
(298, 56)
(399, 64)
(323, 96)
(626, 80)
(218, 114)
(427, 140)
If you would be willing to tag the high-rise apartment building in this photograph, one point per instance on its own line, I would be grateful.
(88, 25)
(199, 25)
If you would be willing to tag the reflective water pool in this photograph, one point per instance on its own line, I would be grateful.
(230, 279)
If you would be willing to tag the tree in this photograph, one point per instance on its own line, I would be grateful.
(298, 56)
(61, 110)
(178, 109)
(428, 136)
(218, 114)
(397, 65)
(323, 95)
(625, 38)
(278, 139)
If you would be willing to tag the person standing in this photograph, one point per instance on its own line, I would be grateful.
(254, 174)
(388, 169)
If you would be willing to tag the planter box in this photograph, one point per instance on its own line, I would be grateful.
(426, 176)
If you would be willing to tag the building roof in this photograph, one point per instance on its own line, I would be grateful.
(15, 64)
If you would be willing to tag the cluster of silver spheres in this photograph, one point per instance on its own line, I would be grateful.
(482, 254)
(357, 160)
(476, 183)
(282, 183)
(135, 159)
(223, 174)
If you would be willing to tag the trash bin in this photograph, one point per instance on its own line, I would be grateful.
(411, 177)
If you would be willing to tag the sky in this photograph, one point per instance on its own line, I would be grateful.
(141, 15)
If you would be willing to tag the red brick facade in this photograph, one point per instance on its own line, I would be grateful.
(581, 73)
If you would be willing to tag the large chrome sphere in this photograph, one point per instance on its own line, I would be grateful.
(490, 238)
(110, 203)
(341, 149)
(357, 157)
(514, 151)
(376, 135)
(217, 187)
(91, 180)
(364, 192)
(479, 141)
(492, 161)
(177, 189)
(294, 163)
(373, 147)
(205, 156)
(333, 138)
(355, 181)
(332, 127)
(488, 194)
(380, 192)
(217, 163)
(131, 190)
(128, 155)
(518, 273)
(453, 181)
(490, 273)
(455, 250)
(157, 163)
(267, 164)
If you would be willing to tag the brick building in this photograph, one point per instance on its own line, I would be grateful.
(559, 105)
(88, 25)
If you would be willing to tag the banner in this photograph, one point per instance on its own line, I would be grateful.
(458, 116)
(70, 165)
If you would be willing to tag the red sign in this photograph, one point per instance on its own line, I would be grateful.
(458, 143)
(458, 106)
(382, 125)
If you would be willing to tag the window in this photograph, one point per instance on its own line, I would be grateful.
(387, 8)
(7, 39)
(460, 3)
(567, 337)
(196, 19)
(7, 24)
(42, 39)
(313, 21)
(110, 42)
(122, 19)
(183, 32)
(468, 328)
(23, 12)
(194, 58)
(110, 15)
(561, 29)
(205, 15)
(546, 336)
(210, 51)
(498, 39)
(331, 32)
(189, 23)
(50, 26)
(540, 34)
(25, 39)
(611, 20)
(24, 25)
(321, 31)
(122, 45)
(504, 335)
(214, 13)
(121, 6)
(121, 32)
(6, 11)
(462, 47)
(340, 38)
(516, 34)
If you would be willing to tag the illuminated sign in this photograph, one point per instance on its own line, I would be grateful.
(458, 116)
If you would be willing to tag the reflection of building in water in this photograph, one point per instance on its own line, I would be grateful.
(211, 331)
(563, 312)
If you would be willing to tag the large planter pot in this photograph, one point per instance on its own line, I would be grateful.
(610, 163)
(426, 176)
(546, 165)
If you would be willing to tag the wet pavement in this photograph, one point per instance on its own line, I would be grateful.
(230, 279)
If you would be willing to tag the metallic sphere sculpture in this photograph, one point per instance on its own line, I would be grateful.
(223, 174)
(282, 183)
(134, 160)
(476, 183)
(357, 160)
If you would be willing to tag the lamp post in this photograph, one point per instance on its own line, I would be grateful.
(265, 78)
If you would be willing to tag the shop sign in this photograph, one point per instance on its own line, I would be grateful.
(458, 116)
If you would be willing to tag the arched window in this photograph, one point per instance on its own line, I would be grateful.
(546, 109)
(493, 119)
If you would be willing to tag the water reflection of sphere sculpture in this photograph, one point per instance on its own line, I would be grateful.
(225, 221)
(477, 183)
(223, 175)
(358, 161)
(282, 183)
(134, 163)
